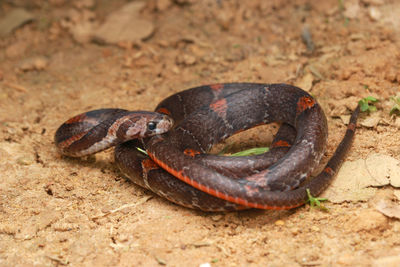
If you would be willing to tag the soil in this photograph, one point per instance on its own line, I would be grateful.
(56, 210)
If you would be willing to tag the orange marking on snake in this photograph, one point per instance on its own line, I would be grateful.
(78, 118)
(280, 143)
(66, 143)
(220, 107)
(217, 87)
(148, 165)
(304, 103)
(251, 190)
(163, 111)
(329, 170)
(215, 193)
(191, 152)
(351, 127)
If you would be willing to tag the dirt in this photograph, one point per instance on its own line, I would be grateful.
(60, 211)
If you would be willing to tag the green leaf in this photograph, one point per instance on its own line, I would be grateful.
(366, 105)
(371, 98)
(251, 152)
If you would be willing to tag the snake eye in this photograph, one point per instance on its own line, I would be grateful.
(151, 126)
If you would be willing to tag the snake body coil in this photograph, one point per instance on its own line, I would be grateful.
(178, 166)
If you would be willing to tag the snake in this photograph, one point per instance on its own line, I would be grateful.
(178, 135)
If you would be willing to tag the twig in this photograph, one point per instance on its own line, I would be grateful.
(141, 201)
(16, 86)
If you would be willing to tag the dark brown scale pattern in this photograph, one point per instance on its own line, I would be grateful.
(208, 114)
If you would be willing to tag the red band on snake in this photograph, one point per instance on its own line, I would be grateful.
(204, 116)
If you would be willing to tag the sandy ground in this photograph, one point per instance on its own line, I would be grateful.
(82, 212)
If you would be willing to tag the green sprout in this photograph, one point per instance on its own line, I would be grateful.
(141, 150)
(316, 201)
(396, 106)
(366, 104)
(342, 9)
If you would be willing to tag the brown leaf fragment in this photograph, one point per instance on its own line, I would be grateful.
(356, 180)
(384, 169)
(125, 25)
(13, 20)
(388, 208)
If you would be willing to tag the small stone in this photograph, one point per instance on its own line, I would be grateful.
(295, 230)
(162, 5)
(35, 63)
(175, 69)
(390, 75)
(186, 59)
(352, 9)
(82, 32)
(25, 160)
(374, 13)
(315, 228)
(368, 220)
(279, 223)
(65, 227)
(216, 218)
(224, 19)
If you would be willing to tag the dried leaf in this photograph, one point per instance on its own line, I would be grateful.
(306, 82)
(13, 20)
(372, 120)
(125, 25)
(388, 208)
(384, 170)
(355, 180)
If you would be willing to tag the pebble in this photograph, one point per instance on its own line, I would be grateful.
(162, 5)
(186, 59)
(374, 14)
(35, 63)
(368, 220)
(216, 218)
(25, 160)
(315, 228)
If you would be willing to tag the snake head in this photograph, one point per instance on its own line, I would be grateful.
(158, 125)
